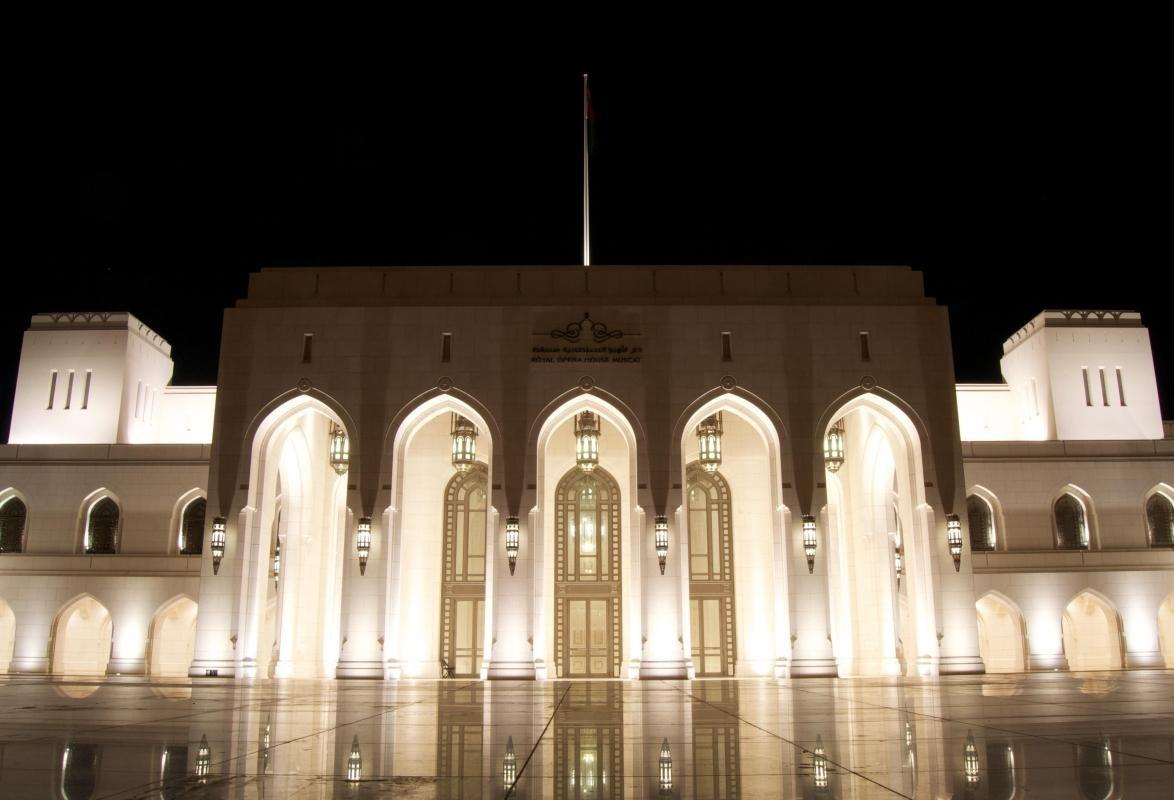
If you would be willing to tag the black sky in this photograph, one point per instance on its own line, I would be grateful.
(1012, 190)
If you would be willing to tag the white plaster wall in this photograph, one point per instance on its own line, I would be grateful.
(986, 412)
(1026, 371)
(148, 369)
(185, 414)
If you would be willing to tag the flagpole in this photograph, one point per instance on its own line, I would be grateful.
(586, 194)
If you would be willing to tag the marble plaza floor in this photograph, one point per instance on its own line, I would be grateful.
(1103, 736)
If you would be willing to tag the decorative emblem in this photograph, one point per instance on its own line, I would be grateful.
(444, 384)
(576, 330)
(586, 383)
(868, 383)
(728, 383)
(304, 385)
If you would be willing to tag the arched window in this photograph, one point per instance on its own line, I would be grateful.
(102, 527)
(13, 515)
(1159, 517)
(462, 618)
(982, 523)
(79, 771)
(1071, 523)
(191, 528)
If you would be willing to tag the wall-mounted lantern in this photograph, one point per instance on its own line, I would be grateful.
(340, 449)
(662, 540)
(509, 764)
(354, 762)
(203, 760)
(666, 767)
(970, 759)
(954, 538)
(363, 543)
(464, 443)
(511, 541)
(898, 563)
(709, 442)
(809, 543)
(218, 539)
(276, 571)
(819, 765)
(833, 447)
(586, 440)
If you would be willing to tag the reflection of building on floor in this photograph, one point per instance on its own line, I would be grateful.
(589, 742)
(460, 731)
(714, 471)
(717, 767)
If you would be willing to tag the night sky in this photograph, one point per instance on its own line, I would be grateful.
(1012, 192)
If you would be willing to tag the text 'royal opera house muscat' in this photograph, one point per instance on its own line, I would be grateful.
(568, 472)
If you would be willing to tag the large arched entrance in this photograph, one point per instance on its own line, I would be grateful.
(587, 588)
(82, 634)
(883, 616)
(1000, 635)
(1092, 633)
(173, 638)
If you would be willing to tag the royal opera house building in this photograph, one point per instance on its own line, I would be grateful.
(568, 472)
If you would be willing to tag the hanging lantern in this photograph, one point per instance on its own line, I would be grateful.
(954, 538)
(898, 564)
(666, 767)
(970, 759)
(709, 442)
(340, 449)
(511, 541)
(276, 572)
(809, 543)
(464, 443)
(354, 763)
(587, 441)
(819, 765)
(218, 540)
(363, 543)
(203, 760)
(662, 540)
(833, 447)
(509, 764)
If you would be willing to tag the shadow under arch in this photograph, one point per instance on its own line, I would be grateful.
(266, 418)
(1003, 650)
(556, 408)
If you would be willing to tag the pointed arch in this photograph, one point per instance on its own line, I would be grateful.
(1159, 516)
(1074, 519)
(100, 523)
(1092, 633)
(81, 637)
(14, 521)
(712, 611)
(462, 604)
(996, 533)
(172, 637)
(185, 538)
(1002, 634)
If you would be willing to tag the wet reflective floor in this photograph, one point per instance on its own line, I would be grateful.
(1102, 736)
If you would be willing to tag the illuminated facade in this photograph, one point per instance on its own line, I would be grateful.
(625, 472)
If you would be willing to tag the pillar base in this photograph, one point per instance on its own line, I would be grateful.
(511, 670)
(359, 669)
(813, 668)
(126, 666)
(214, 668)
(28, 664)
(1048, 662)
(960, 665)
(675, 669)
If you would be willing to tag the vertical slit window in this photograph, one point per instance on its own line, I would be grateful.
(1120, 386)
(1087, 388)
(52, 386)
(307, 348)
(69, 390)
(727, 347)
(1104, 388)
(865, 348)
(86, 390)
(445, 347)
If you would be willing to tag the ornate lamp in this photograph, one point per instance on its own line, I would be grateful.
(809, 543)
(511, 541)
(666, 767)
(354, 763)
(340, 449)
(509, 764)
(464, 443)
(218, 539)
(833, 447)
(709, 442)
(819, 765)
(954, 538)
(203, 760)
(587, 441)
(276, 562)
(662, 540)
(970, 759)
(363, 543)
(898, 564)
